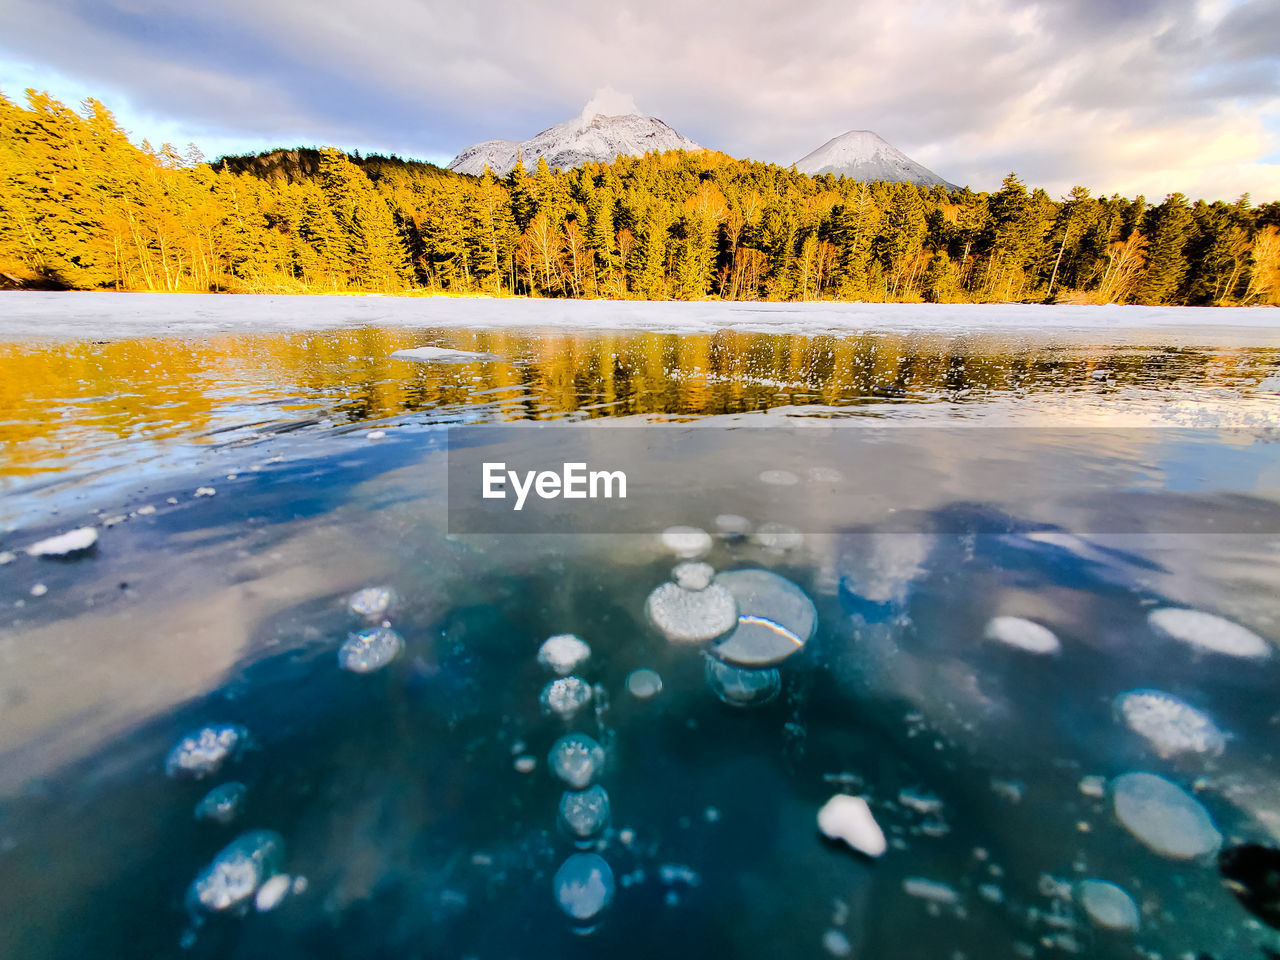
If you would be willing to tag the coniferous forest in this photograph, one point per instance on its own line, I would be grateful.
(83, 208)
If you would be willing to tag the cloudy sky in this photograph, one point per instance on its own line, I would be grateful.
(1135, 96)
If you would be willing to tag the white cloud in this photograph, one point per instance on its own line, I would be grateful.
(1145, 96)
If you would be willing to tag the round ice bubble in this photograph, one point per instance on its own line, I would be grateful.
(1207, 632)
(370, 650)
(693, 575)
(565, 697)
(1171, 726)
(583, 885)
(1163, 817)
(775, 618)
(742, 688)
(563, 653)
(238, 871)
(576, 759)
(203, 752)
(1107, 905)
(584, 813)
(686, 542)
(223, 803)
(371, 601)
(778, 536)
(691, 616)
(644, 683)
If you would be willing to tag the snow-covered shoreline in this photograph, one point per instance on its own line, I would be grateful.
(33, 315)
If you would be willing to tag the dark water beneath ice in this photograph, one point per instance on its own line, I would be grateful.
(397, 792)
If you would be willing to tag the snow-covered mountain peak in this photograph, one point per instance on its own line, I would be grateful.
(865, 155)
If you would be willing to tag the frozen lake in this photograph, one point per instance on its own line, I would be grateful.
(283, 704)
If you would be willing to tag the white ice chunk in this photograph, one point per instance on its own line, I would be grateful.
(1022, 635)
(64, 544)
(850, 819)
(1207, 632)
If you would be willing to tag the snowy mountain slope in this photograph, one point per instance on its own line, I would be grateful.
(589, 138)
(863, 155)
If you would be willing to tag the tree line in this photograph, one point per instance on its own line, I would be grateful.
(81, 207)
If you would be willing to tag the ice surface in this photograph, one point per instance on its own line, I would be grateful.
(583, 885)
(48, 316)
(370, 650)
(1164, 817)
(850, 819)
(1207, 632)
(202, 753)
(563, 653)
(1107, 905)
(1022, 635)
(65, 544)
(1170, 725)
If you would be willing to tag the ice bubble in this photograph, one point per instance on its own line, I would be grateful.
(824, 475)
(576, 759)
(742, 688)
(565, 697)
(850, 819)
(375, 435)
(1022, 635)
(563, 653)
(371, 601)
(691, 616)
(271, 893)
(836, 943)
(778, 536)
(1207, 632)
(775, 618)
(583, 885)
(65, 544)
(223, 803)
(39, 590)
(1171, 726)
(693, 575)
(924, 803)
(584, 813)
(686, 542)
(202, 753)
(1093, 786)
(732, 526)
(6, 556)
(238, 871)
(205, 491)
(1251, 872)
(1107, 905)
(525, 764)
(779, 478)
(1163, 817)
(370, 650)
(644, 683)
(930, 890)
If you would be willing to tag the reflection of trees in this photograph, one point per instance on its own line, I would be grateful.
(57, 400)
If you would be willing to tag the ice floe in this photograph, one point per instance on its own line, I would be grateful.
(202, 752)
(1207, 632)
(369, 650)
(576, 759)
(1022, 635)
(1107, 905)
(691, 616)
(238, 871)
(583, 885)
(775, 618)
(563, 653)
(65, 544)
(1171, 726)
(850, 819)
(1163, 817)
